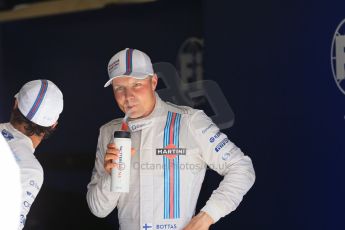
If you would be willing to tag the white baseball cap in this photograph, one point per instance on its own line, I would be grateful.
(41, 102)
(129, 62)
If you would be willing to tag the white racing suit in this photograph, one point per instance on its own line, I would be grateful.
(11, 193)
(174, 145)
(31, 172)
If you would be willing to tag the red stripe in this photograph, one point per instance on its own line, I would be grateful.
(171, 133)
(171, 161)
(128, 61)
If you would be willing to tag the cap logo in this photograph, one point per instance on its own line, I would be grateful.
(39, 99)
(113, 65)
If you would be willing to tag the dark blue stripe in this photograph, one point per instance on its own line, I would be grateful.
(177, 182)
(178, 168)
(175, 171)
(178, 188)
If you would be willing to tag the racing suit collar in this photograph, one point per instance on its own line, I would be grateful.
(22, 135)
(142, 123)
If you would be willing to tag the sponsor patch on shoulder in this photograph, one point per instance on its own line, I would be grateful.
(7, 135)
(221, 144)
(207, 128)
(214, 137)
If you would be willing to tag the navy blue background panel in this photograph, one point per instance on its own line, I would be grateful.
(271, 60)
(275, 58)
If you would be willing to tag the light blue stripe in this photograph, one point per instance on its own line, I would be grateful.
(168, 190)
(166, 131)
(178, 131)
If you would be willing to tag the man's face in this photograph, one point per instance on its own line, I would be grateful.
(135, 95)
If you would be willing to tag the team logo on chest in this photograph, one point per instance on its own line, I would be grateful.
(171, 151)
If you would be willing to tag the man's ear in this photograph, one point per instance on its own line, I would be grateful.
(15, 104)
(154, 81)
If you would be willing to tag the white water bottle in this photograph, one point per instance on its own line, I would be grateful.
(120, 175)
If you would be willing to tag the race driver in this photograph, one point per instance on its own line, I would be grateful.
(173, 145)
(34, 117)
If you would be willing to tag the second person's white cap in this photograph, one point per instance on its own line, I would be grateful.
(41, 102)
